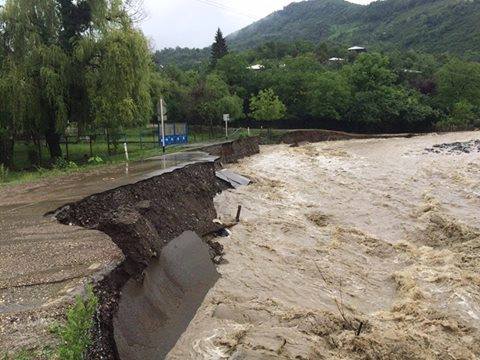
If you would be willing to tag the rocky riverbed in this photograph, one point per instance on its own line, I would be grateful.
(456, 148)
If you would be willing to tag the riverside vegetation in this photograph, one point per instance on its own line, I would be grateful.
(85, 63)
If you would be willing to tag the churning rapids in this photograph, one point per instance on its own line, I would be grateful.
(361, 249)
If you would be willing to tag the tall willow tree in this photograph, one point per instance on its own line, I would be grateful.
(118, 78)
(65, 61)
(37, 65)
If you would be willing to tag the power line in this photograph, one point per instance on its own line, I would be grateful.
(229, 9)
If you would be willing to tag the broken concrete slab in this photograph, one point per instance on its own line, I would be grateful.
(234, 179)
(152, 315)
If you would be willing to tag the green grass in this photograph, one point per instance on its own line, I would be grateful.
(80, 151)
(74, 336)
(25, 176)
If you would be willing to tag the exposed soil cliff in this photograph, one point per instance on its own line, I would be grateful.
(141, 219)
(233, 151)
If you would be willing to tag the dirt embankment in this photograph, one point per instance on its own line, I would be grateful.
(233, 151)
(142, 218)
(314, 136)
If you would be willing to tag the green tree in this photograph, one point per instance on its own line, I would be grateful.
(459, 81)
(330, 96)
(233, 68)
(379, 103)
(370, 72)
(214, 99)
(38, 65)
(219, 48)
(60, 62)
(462, 116)
(118, 78)
(232, 105)
(267, 106)
(290, 78)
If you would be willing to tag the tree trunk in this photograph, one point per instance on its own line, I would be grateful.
(6, 152)
(53, 142)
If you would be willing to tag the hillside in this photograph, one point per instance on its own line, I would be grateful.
(309, 20)
(429, 25)
(434, 26)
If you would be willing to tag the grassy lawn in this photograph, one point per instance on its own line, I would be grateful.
(140, 146)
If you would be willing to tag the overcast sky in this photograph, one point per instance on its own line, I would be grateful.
(192, 23)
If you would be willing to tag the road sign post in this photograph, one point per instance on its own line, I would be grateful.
(226, 118)
(161, 110)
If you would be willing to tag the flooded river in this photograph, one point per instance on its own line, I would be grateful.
(362, 249)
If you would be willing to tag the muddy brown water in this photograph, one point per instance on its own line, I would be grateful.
(332, 235)
(372, 231)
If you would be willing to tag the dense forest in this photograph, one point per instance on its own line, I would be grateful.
(434, 26)
(298, 85)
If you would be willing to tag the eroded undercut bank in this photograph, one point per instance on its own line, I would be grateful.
(167, 270)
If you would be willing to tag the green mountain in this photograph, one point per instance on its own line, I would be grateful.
(429, 25)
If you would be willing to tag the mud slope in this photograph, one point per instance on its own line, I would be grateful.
(232, 151)
(141, 219)
(359, 249)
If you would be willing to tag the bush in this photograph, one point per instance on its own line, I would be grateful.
(462, 117)
(76, 333)
(62, 164)
(96, 160)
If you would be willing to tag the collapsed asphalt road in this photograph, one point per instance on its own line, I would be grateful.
(141, 219)
(44, 264)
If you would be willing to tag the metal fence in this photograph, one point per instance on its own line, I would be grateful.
(81, 148)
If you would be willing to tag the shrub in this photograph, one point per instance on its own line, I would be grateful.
(62, 164)
(76, 333)
(96, 160)
(462, 117)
